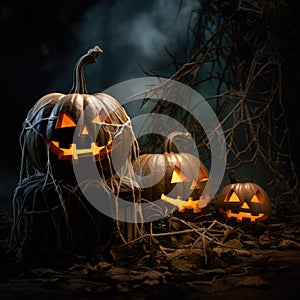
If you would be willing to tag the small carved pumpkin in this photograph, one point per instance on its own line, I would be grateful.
(242, 201)
(182, 178)
(51, 123)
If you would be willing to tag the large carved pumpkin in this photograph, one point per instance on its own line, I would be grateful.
(176, 178)
(50, 126)
(243, 202)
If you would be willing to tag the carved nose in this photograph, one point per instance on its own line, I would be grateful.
(84, 131)
(245, 205)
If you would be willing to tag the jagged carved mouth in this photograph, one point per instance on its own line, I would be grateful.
(73, 153)
(196, 205)
(241, 215)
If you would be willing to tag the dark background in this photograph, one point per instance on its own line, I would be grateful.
(41, 41)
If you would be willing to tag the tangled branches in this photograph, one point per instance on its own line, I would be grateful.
(234, 59)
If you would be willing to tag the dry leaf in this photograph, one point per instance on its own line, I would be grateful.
(288, 244)
(253, 281)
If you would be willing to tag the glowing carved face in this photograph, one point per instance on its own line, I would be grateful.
(66, 150)
(195, 201)
(174, 178)
(244, 201)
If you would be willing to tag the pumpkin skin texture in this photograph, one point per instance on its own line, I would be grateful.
(51, 124)
(243, 202)
(153, 163)
(182, 178)
(45, 132)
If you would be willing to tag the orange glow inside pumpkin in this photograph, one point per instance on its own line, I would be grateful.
(64, 120)
(191, 203)
(179, 176)
(98, 152)
(73, 153)
(233, 197)
(195, 205)
(239, 216)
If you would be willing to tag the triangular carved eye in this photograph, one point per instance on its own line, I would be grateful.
(194, 185)
(179, 176)
(202, 175)
(102, 117)
(233, 197)
(64, 120)
(255, 199)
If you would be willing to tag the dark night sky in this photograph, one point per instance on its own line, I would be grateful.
(40, 44)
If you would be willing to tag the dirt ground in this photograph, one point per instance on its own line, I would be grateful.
(209, 260)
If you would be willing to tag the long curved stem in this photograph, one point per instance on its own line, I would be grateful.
(168, 143)
(79, 85)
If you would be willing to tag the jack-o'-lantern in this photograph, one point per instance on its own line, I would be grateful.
(55, 119)
(176, 178)
(243, 202)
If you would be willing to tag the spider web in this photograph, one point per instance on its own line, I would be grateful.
(43, 204)
(232, 58)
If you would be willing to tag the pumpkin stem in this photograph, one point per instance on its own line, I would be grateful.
(168, 143)
(79, 85)
(233, 176)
